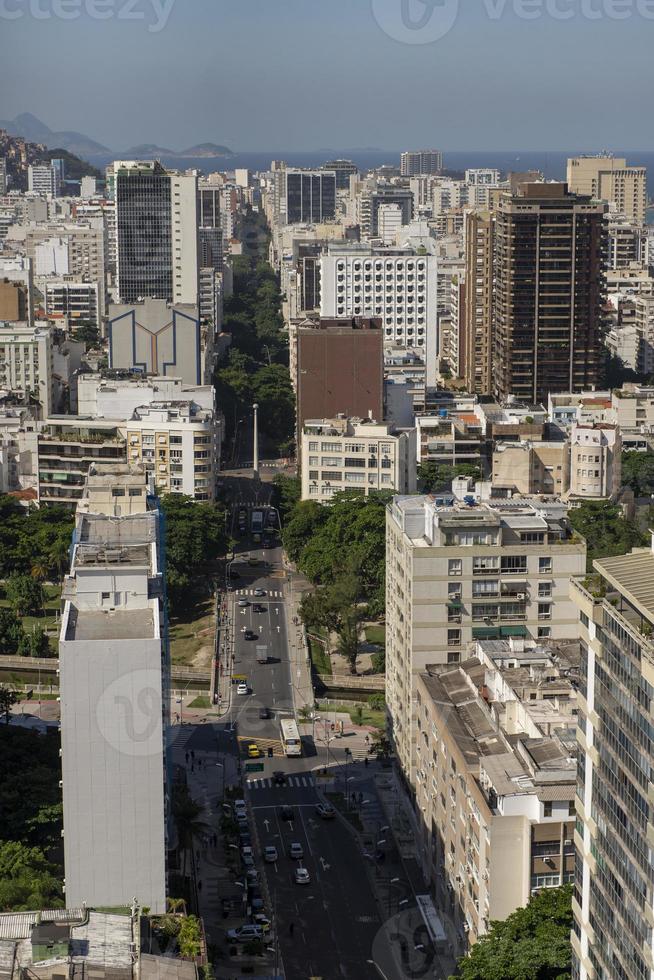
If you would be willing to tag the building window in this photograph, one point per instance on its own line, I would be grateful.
(544, 590)
(454, 638)
(455, 566)
(313, 447)
(544, 632)
(547, 809)
(544, 565)
(453, 657)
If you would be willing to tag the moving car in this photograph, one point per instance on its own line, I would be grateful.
(302, 876)
(258, 608)
(243, 603)
(264, 713)
(245, 934)
(279, 778)
(295, 851)
(260, 592)
(325, 810)
(250, 635)
(270, 853)
(242, 688)
(253, 750)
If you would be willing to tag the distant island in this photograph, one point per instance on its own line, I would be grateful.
(150, 150)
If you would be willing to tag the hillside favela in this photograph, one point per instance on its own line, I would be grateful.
(326, 490)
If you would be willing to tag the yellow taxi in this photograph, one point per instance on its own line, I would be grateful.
(253, 750)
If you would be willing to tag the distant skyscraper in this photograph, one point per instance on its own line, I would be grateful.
(413, 163)
(210, 232)
(477, 346)
(310, 196)
(609, 179)
(156, 232)
(371, 202)
(3, 175)
(549, 259)
(343, 169)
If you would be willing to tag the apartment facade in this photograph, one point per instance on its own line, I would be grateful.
(548, 319)
(44, 178)
(72, 304)
(158, 338)
(66, 448)
(595, 461)
(349, 454)
(612, 903)
(396, 285)
(457, 573)
(26, 362)
(608, 178)
(532, 466)
(477, 365)
(178, 444)
(415, 163)
(494, 780)
(114, 684)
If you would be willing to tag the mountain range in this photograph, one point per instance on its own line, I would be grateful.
(36, 131)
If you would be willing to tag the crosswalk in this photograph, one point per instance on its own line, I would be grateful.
(270, 594)
(293, 781)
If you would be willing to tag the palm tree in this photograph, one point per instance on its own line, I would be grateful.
(186, 812)
(39, 570)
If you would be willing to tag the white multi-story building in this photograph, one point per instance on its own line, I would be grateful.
(483, 176)
(44, 178)
(26, 362)
(398, 285)
(178, 443)
(351, 454)
(114, 687)
(389, 221)
(595, 461)
(57, 248)
(457, 573)
(88, 188)
(72, 304)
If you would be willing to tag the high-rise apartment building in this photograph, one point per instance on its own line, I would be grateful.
(548, 302)
(310, 196)
(457, 573)
(613, 904)
(414, 163)
(26, 362)
(343, 169)
(156, 232)
(370, 201)
(114, 685)
(397, 285)
(477, 362)
(210, 232)
(44, 178)
(608, 178)
(4, 182)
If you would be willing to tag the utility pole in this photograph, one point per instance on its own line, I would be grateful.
(255, 467)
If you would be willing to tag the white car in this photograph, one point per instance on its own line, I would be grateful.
(243, 603)
(296, 851)
(260, 592)
(245, 934)
(270, 854)
(242, 688)
(240, 805)
(302, 876)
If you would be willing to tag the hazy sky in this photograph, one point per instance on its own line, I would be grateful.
(308, 74)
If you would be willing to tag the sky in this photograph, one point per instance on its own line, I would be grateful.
(313, 74)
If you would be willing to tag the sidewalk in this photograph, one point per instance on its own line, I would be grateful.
(299, 660)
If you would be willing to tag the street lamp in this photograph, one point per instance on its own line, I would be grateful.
(378, 968)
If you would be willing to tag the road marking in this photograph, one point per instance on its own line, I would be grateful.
(325, 865)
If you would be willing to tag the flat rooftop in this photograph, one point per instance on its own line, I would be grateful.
(633, 576)
(103, 624)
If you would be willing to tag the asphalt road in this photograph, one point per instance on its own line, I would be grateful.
(334, 918)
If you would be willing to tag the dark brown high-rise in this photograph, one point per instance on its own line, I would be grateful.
(548, 297)
(340, 370)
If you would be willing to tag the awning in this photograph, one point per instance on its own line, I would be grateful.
(514, 631)
(486, 633)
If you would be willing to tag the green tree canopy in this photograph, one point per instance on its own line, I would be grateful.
(34, 537)
(606, 530)
(195, 537)
(27, 879)
(437, 477)
(638, 473)
(531, 944)
(25, 594)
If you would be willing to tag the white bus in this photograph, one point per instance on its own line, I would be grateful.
(291, 742)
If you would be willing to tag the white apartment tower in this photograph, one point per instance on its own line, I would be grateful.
(114, 683)
(414, 163)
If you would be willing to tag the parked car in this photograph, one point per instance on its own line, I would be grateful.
(296, 851)
(302, 876)
(252, 876)
(253, 750)
(325, 810)
(245, 934)
(262, 920)
(243, 603)
(270, 853)
(247, 860)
